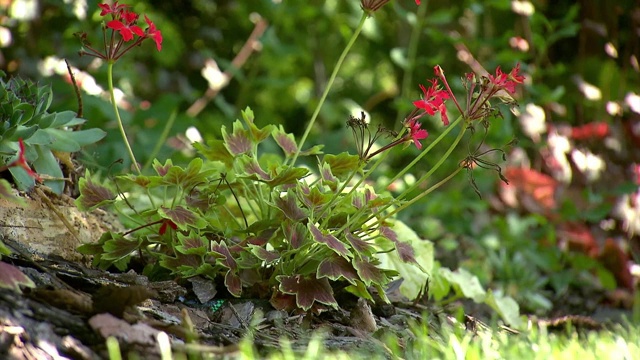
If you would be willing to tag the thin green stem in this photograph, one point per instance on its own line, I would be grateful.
(412, 52)
(162, 139)
(426, 151)
(436, 166)
(119, 120)
(329, 85)
(120, 126)
(420, 196)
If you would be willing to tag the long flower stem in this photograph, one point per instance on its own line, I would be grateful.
(119, 120)
(438, 164)
(329, 85)
(420, 196)
(426, 151)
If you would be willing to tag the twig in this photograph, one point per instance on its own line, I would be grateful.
(238, 61)
(64, 220)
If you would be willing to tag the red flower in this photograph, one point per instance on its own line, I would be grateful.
(417, 2)
(416, 133)
(112, 9)
(21, 161)
(433, 101)
(507, 81)
(154, 33)
(126, 30)
(165, 224)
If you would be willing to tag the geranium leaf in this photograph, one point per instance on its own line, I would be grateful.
(327, 175)
(238, 141)
(314, 150)
(215, 150)
(264, 254)
(289, 207)
(258, 135)
(119, 247)
(369, 273)
(222, 253)
(92, 195)
(288, 176)
(307, 290)
(404, 249)
(336, 267)
(12, 278)
(251, 167)
(360, 246)
(191, 244)
(160, 169)
(343, 164)
(286, 141)
(331, 241)
(233, 283)
(314, 199)
(295, 233)
(182, 217)
(181, 262)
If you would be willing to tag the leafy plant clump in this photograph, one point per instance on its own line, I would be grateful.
(258, 222)
(29, 133)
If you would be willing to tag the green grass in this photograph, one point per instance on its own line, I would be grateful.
(617, 343)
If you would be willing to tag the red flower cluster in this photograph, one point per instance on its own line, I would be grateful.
(124, 22)
(433, 101)
(507, 81)
(478, 96)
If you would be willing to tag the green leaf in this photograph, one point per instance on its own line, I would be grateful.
(335, 268)
(331, 241)
(62, 119)
(288, 176)
(61, 140)
(7, 194)
(416, 274)
(257, 135)
(506, 307)
(286, 141)
(119, 247)
(40, 137)
(343, 164)
(93, 195)
(215, 150)
(182, 217)
(238, 141)
(465, 283)
(86, 137)
(46, 164)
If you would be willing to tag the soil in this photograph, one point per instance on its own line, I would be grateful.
(73, 309)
